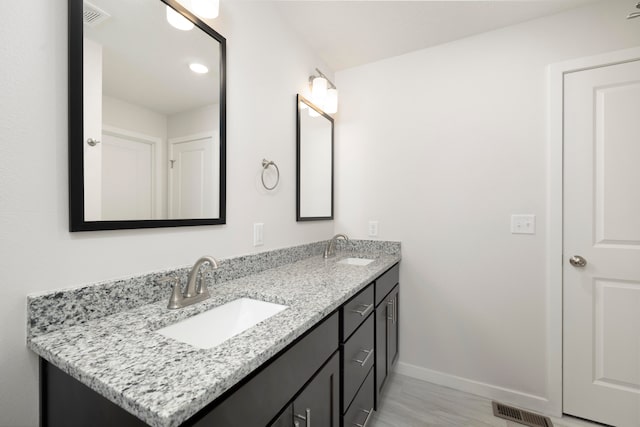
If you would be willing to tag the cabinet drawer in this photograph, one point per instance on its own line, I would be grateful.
(358, 360)
(356, 310)
(360, 412)
(386, 282)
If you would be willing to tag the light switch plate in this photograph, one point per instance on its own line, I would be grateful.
(258, 234)
(523, 224)
(373, 228)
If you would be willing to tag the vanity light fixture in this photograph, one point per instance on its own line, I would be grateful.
(198, 68)
(178, 21)
(324, 93)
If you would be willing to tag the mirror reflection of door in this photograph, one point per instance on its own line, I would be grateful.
(192, 185)
(129, 181)
(138, 80)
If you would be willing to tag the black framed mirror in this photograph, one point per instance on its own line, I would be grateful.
(314, 165)
(147, 116)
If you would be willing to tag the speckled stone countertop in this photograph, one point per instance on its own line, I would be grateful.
(164, 382)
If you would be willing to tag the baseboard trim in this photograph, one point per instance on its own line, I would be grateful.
(513, 397)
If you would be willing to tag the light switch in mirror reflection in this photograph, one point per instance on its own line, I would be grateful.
(315, 162)
(160, 125)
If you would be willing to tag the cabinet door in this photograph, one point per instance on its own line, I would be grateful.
(381, 347)
(319, 405)
(392, 328)
(285, 419)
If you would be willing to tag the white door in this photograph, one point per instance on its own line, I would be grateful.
(92, 110)
(601, 337)
(193, 177)
(127, 178)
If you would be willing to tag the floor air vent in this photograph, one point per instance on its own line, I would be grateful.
(519, 416)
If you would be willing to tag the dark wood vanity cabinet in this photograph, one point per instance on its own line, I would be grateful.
(332, 376)
(318, 403)
(387, 326)
(306, 369)
(357, 343)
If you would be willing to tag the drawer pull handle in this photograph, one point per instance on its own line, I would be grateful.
(365, 311)
(390, 309)
(395, 310)
(307, 419)
(366, 421)
(364, 361)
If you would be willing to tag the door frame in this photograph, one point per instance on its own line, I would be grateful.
(555, 258)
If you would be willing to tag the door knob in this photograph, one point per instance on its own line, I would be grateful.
(577, 261)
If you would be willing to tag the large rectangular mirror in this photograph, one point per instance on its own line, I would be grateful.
(146, 116)
(314, 162)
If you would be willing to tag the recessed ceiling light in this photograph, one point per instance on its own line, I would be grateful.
(198, 68)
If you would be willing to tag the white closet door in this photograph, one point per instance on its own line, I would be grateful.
(602, 225)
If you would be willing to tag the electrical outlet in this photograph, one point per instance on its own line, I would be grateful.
(523, 224)
(258, 234)
(373, 228)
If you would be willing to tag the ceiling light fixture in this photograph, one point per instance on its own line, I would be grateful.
(324, 93)
(178, 21)
(206, 8)
(198, 68)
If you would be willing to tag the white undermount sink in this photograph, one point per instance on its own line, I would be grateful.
(213, 327)
(356, 261)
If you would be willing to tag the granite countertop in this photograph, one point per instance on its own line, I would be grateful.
(164, 382)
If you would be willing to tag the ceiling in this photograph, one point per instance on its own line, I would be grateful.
(346, 34)
(146, 61)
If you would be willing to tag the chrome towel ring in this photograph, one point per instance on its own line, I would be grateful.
(265, 165)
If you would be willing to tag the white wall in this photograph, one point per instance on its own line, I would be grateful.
(198, 120)
(267, 66)
(132, 117)
(441, 146)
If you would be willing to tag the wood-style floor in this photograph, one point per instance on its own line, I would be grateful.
(408, 402)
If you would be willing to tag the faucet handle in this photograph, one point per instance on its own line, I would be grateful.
(175, 301)
(176, 294)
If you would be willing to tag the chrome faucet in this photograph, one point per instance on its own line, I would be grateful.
(195, 291)
(329, 250)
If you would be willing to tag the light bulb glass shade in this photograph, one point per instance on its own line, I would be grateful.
(319, 90)
(331, 102)
(198, 68)
(178, 21)
(313, 113)
(206, 8)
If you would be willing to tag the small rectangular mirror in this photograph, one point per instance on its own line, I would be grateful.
(146, 116)
(314, 162)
